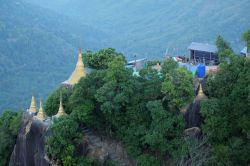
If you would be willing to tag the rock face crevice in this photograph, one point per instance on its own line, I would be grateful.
(29, 148)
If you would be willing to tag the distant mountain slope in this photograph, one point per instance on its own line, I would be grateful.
(38, 50)
(148, 27)
(39, 38)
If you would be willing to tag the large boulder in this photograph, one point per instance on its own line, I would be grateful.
(193, 132)
(192, 115)
(29, 148)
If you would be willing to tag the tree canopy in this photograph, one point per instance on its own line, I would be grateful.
(9, 124)
(227, 116)
(246, 37)
(117, 104)
(100, 59)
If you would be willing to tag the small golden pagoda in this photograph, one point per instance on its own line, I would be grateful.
(78, 73)
(201, 95)
(41, 115)
(61, 111)
(32, 108)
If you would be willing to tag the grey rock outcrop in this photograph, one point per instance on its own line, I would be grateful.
(29, 148)
(193, 132)
(104, 149)
(192, 115)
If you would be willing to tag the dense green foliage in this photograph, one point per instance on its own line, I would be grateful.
(38, 51)
(246, 37)
(148, 28)
(52, 102)
(115, 103)
(9, 124)
(177, 88)
(143, 112)
(37, 44)
(224, 50)
(99, 60)
(62, 143)
(227, 116)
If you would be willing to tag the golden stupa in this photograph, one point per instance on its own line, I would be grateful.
(41, 115)
(32, 108)
(201, 95)
(78, 73)
(61, 111)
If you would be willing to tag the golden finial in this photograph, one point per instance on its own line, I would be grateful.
(79, 51)
(61, 109)
(33, 105)
(201, 94)
(41, 114)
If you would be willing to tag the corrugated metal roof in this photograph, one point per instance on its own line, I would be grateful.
(202, 47)
(244, 50)
(137, 61)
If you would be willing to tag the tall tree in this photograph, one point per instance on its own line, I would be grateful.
(224, 49)
(227, 116)
(100, 59)
(52, 102)
(83, 103)
(246, 37)
(166, 131)
(61, 144)
(222, 44)
(169, 65)
(178, 88)
(116, 92)
(9, 123)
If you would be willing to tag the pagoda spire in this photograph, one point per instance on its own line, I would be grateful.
(32, 108)
(201, 95)
(61, 111)
(79, 71)
(41, 115)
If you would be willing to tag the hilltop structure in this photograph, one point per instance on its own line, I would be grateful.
(78, 73)
(203, 53)
(41, 115)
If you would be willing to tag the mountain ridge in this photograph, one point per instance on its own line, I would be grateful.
(39, 38)
(148, 28)
(38, 49)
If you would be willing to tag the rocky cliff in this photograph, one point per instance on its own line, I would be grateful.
(29, 149)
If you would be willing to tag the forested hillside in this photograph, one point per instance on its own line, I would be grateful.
(38, 50)
(148, 28)
(38, 38)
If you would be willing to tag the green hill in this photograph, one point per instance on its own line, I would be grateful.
(148, 28)
(39, 38)
(38, 49)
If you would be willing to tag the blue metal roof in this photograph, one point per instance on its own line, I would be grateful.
(244, 51)
(202, 47)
